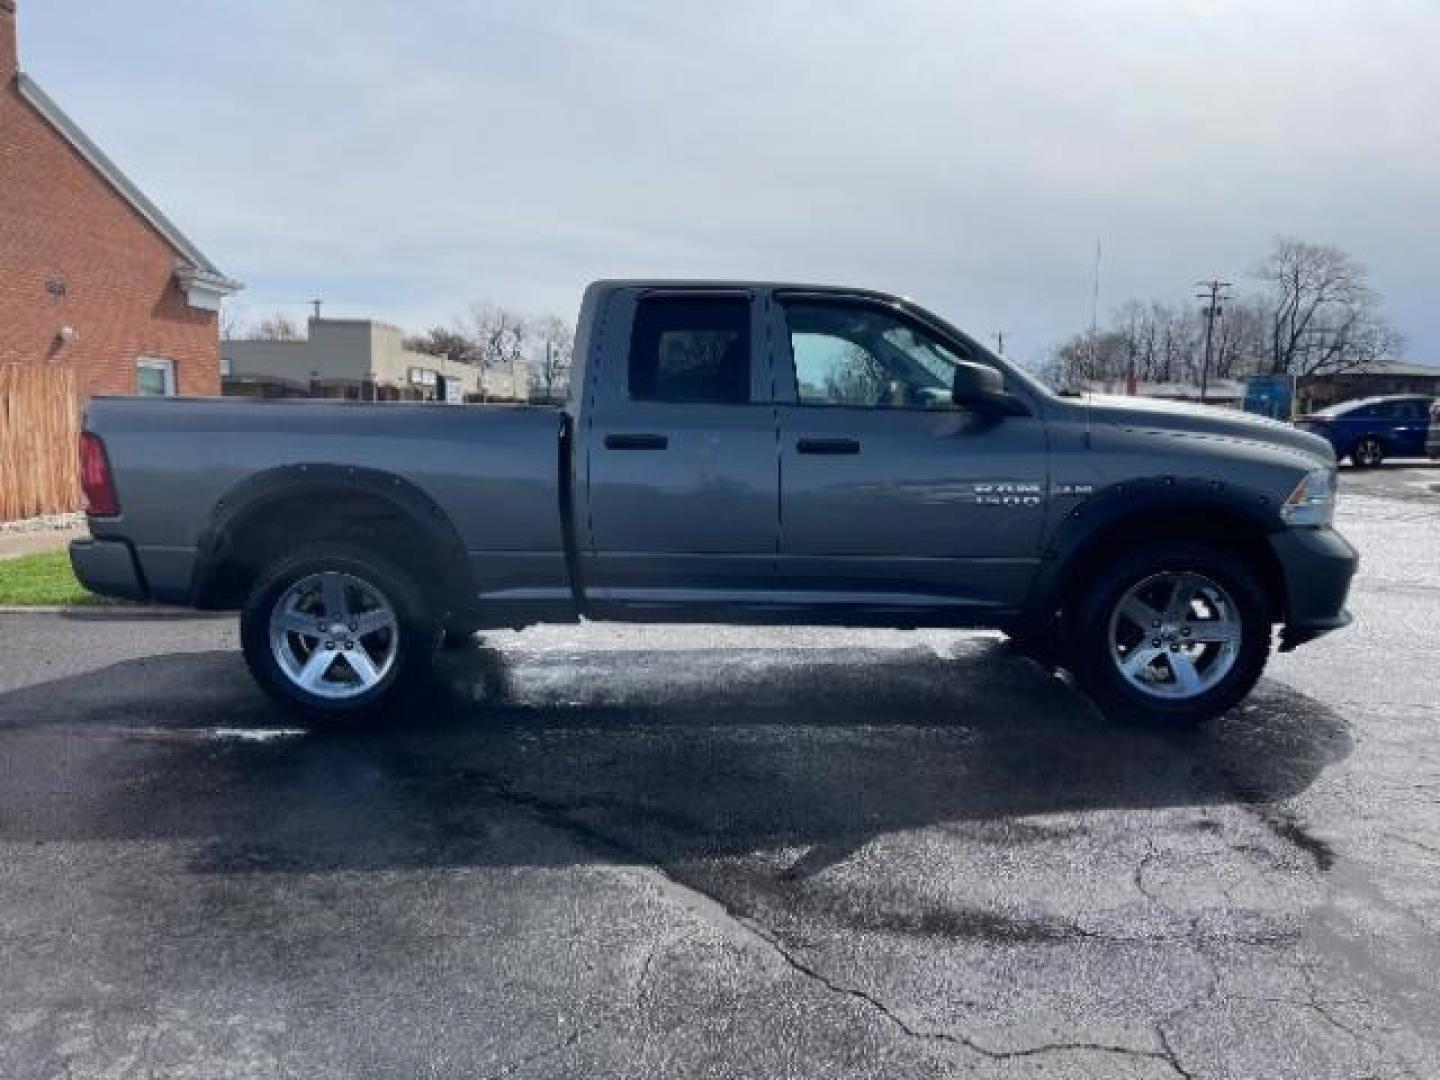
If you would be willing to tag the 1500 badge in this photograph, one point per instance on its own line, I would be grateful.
(1009, 493)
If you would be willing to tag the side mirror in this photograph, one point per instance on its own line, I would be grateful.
(982, 388)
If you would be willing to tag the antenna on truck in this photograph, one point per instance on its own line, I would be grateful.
(1094, 330)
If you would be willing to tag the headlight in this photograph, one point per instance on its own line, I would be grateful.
(1313, 500)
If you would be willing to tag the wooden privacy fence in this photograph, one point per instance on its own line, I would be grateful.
(39, 426)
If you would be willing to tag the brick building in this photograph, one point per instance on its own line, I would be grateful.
(92, 275)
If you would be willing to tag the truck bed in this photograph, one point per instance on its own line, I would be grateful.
(179, 463)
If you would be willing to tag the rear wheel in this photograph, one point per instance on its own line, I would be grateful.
(1368, 453)
(334, 629)
(1172, 632)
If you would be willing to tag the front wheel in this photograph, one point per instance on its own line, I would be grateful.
(334, 629)
(1172, 632)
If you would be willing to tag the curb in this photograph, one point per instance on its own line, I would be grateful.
(107, 612)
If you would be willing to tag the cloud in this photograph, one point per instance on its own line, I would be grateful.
(402, 159)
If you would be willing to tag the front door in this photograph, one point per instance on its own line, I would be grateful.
(683, 491)
(1410, 421)
(891, 497)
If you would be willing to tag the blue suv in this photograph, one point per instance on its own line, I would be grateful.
(1369, 430)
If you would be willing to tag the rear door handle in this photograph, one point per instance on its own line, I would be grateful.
(636, 442)
(828, 446)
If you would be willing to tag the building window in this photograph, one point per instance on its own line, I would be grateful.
(227, 367)
(154, 378)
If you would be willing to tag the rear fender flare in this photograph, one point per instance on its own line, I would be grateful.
(446, 557)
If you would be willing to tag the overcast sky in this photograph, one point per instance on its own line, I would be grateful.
(402, 158)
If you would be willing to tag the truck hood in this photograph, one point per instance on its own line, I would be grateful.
(1178, 416)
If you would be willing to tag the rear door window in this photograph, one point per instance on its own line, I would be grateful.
(691, 350)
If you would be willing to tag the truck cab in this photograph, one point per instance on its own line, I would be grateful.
(798, 450)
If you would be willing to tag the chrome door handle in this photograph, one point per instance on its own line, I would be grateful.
(828, 447)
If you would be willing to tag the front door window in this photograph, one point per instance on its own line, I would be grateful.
(860, 356)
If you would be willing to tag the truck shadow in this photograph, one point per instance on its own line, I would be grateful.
(549, 758)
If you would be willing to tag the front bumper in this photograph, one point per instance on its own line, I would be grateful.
(108, 567)
(1318, 565)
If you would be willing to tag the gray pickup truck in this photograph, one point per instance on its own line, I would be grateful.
(731, 452)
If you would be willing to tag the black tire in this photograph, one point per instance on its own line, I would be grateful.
(1368, 453)
(457, 637)
(1037, 638)
(1096, 670)
(413, 644)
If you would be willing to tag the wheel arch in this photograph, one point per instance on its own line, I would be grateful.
(278, 509)
(1164, 510)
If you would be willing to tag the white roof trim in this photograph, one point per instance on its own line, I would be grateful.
(45, 105)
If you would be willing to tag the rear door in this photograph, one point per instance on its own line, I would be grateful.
(682, 502)
(891, 497)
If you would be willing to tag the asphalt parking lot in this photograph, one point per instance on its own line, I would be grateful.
(611, 851)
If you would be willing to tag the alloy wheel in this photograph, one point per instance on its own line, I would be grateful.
(1175, 635)
(334, 635)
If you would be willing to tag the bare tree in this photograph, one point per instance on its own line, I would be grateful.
(1323, 315)
(275, 327)
(1178, 353)
(1085, 358)
(1317, 314)
(229, 322)
(453, 345)
(500, 334)
(1138, 331)
(1240, 339)
(554, 347)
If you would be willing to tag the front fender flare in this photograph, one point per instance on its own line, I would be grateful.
(1145, 503)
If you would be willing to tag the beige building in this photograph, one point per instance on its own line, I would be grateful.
(360, 359)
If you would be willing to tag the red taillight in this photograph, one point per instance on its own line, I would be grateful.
(95, 479)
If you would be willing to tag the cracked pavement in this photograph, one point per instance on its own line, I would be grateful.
(701, 851)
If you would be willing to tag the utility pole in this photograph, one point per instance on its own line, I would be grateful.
(1212, 296)
(316, 305)
(1000, 342)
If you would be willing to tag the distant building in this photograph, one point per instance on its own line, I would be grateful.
(1382, 377)
(359, 359)
(93, 277)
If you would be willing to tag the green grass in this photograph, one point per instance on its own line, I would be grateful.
(42, 579)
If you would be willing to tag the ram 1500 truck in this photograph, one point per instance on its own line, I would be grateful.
(731, 452)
